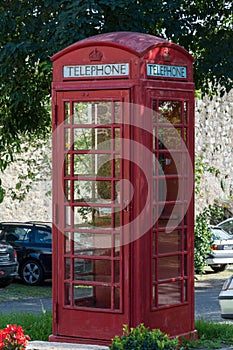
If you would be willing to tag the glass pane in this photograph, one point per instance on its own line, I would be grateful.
(102, 271)
(185, 266)
(185, 239)
(169, 138)
(92, 113)
(117, 112)
(117, 139)
(67, 216)
(169, 293)
(116, 298)
(169, 242)
(169, 189)
(67, 165)
(67, 190)
(169, 267)
(93, 217)
(185, 291)
(171, 215)
(185, 113)
(92, 138)
(117, 271)
(67, 112)
(67, 268)
(170, 112)
(83, 269)
(67, 242)
(170, 163)
(98, 244)
(93, 165)
(92, 296)
(67, 297)
(67, 139)
(117, 245)
(93, 191)
(83, 296)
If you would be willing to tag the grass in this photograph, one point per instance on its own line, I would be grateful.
(20, 291)
(38, 327)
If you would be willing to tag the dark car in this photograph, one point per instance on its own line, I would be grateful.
(8, 264)
(33, 244)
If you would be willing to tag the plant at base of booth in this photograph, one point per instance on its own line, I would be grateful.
(141, 338)
(13, 338)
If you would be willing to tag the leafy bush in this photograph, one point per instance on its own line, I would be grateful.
(203, 235)
(141, 338)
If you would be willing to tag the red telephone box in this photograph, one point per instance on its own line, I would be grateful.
(123, 139)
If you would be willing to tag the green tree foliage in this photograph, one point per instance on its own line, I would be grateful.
(32, 31)
(203, 235)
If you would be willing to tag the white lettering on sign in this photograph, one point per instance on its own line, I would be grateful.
(97, 70)
(160, 70)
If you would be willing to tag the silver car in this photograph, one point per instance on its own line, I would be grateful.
(227, 225)
(222, 250)
(225, 299)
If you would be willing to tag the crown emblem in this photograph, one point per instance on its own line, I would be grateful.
(95, 55)
(166, 54)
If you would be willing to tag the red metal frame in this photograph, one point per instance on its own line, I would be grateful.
(152, 276)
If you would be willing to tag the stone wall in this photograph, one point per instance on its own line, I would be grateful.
(214, 148)
(214, 152)
(37, 205)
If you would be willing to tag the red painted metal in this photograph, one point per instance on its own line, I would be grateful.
(123, 150)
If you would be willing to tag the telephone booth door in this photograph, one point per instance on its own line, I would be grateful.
(172, 207)
(93, 277)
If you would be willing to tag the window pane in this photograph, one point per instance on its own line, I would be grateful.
(83, 269)
(67, 139)
(169, 242)
(92, 138)
(98, 244)
(169, 293)
(67, 268)
(92, 113)
(93, 191)
(169, 267)
(67, 112)
(170, 112)
(170, 189)
(170, 163)
(92, 296)
(171, 215)
(93, 217)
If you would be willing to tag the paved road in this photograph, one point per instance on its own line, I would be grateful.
(30, 305)
(206, 302)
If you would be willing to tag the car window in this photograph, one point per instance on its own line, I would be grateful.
(220, 234)
(43, 236)
(227, 226)
(18, 234)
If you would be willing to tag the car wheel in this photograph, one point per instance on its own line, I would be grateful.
(31, 273)
(218, 268)
(4, 282)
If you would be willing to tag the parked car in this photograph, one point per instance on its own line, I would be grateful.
(222, 250)
(33, 244)
(8, 264)
(227, 225)
(225, 299)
